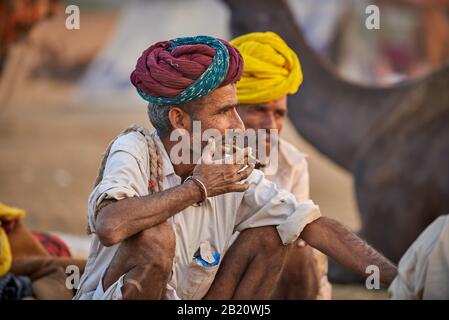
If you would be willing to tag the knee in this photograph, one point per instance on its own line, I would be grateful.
(271, 241)
(155, 246)
(268, 242)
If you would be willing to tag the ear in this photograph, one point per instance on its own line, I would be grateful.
(180, 119)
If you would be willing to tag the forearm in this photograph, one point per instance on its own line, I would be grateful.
(338, 242)
(123, 219)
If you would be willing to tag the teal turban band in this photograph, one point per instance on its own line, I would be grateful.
(185, 69)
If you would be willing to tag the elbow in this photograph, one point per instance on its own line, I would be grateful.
(107, 230)
(106, 234)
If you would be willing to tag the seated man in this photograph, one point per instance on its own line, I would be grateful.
(271, 71)
(162, 228)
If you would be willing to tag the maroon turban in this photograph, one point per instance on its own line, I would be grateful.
(168, 68)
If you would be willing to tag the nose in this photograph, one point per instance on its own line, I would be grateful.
(269, 121)
(237, 122)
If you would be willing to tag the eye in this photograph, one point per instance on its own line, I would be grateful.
(225, 110)
(280, 114)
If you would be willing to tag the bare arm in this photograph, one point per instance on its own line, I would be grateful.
(338, 242)
(119, 220)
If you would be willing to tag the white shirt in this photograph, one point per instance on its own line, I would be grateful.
(292, 172)
(423, 271)
(211, 224)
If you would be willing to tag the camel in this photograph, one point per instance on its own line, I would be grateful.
(394, 140)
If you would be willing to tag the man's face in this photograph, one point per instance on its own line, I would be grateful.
(219, 110)
(215, 111)
(265, 116)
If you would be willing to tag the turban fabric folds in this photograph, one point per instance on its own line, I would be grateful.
(272, 69)
(7, 215)
(185, 69)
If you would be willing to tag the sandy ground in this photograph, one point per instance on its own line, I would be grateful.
(51, 147)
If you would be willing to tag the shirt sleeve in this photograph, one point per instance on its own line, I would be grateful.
(124, 176)
(264, 204)
(422, 270)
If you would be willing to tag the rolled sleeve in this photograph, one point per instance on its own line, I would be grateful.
(264, 204)
(122, 178)
(291, 228)
(124, 175)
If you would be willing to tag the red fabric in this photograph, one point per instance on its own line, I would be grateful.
(54, 245)
(235, 64)
(161, 73)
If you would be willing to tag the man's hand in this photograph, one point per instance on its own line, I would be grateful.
(119, 220)
(224, 175)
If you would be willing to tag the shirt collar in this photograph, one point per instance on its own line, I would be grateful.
(288, 155)
(166, 163)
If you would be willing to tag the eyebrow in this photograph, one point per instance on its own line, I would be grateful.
(261, 106)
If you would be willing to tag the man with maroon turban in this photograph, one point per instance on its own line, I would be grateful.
(163, 229)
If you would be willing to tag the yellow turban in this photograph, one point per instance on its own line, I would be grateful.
(271, 69)
(7, 214)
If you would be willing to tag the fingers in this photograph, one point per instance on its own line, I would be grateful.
(245, 173)
(239, 187)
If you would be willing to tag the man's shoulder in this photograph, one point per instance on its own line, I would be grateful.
(131, 142)
(291, 154)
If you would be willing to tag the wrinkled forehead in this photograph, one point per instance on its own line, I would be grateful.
(223, 96)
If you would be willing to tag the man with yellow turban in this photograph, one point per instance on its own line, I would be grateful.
(271, 72)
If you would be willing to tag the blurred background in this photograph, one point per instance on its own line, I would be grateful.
(64, 94)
